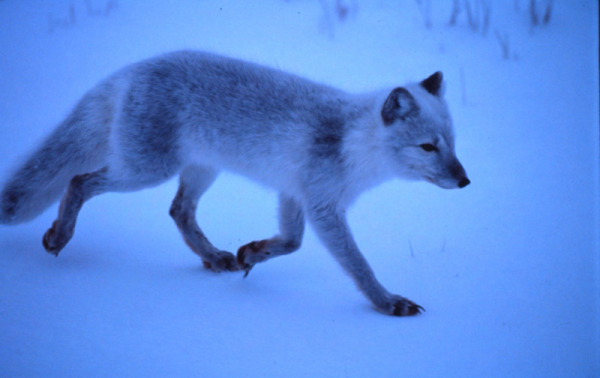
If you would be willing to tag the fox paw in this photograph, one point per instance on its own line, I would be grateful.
(221, 261)
(250, 254)
(54, 241)
(404, 307)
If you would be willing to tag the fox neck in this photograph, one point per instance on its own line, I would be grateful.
(366, 163)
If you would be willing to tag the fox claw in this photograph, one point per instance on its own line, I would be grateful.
(406, 307)
(249, 254)
(241, 261)
(52, 241)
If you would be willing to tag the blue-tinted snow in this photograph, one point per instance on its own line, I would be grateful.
(506, 268)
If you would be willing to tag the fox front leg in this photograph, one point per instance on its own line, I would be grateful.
(291, 230)
(331, 227)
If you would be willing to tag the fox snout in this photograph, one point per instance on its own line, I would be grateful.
(458, 172)
(463, 182)
(452, 177)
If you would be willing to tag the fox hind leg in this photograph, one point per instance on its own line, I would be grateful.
(80, 189)
(193, 182)
(291, 230)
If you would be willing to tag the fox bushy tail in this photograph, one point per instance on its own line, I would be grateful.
(78, 145)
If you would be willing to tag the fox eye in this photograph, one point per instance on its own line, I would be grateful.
(428, 147)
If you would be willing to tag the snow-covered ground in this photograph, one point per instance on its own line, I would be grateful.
(508, 268)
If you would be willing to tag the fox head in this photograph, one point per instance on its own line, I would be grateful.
(419, 139)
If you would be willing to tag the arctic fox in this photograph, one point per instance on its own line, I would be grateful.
(195, 114)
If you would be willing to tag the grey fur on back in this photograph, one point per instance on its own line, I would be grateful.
(227, 109)
(149, 95)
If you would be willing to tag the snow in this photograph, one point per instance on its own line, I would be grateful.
(507, 268)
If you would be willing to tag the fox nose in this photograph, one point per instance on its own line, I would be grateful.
(463, 182)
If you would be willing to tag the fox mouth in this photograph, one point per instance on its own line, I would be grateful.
(447, 185)
(442, 184)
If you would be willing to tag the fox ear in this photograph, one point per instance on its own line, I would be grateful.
(399, 105)
(433, 83)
